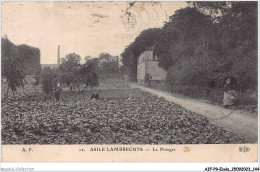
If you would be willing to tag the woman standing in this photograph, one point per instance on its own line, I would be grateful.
(57, 92)
(230, 95)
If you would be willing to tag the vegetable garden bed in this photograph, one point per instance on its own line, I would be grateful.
(121, 116)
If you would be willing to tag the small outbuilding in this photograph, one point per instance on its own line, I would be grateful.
(148, 71)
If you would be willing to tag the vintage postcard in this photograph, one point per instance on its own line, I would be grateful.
(128, 81)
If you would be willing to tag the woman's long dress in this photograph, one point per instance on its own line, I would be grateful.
(229, 95)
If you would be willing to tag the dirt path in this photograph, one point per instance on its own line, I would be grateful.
(240, 122)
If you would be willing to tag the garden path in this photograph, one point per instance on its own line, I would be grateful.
(241, 122)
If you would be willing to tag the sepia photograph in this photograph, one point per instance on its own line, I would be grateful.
(124, 76)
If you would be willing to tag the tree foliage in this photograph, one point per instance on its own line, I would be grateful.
(71, 62)
(204, 43)
(17, 62)
(12, 69)
(68, 68)
(30, 57)
(107, 63)
(87, 74)
(146, 39)
(49, 79)
(71, 72)
(94, 63)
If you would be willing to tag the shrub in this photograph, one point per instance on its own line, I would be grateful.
(48, 80)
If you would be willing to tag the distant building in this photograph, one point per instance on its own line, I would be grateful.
(148, 69)
(58, 58)
(49, 65)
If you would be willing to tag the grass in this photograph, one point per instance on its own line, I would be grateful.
(247, 100)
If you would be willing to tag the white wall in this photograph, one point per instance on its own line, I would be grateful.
(140, 72)
(146, 65)
(155, 71)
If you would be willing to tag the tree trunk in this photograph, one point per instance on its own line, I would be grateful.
(203, 39)
(13, 93)
(78, 88)
(7, 91)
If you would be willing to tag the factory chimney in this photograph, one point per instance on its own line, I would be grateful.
(58, 59)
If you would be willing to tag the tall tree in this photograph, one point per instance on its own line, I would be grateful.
(238, 33)
(71, 62)
(30, 58)
(107, 63)
(68, 68)
(87, 76)
(94, 63)
(49, 80)
(144, 40)
(87, 58)
(12, 68)
(214, 9)
(203, 43)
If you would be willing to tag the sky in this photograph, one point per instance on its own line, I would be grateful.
(86, 28)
